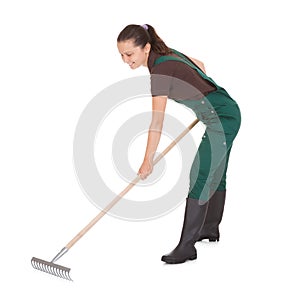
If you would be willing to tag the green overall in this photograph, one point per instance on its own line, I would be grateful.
(222, 118)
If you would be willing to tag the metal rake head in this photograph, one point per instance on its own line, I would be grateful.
(51, 268)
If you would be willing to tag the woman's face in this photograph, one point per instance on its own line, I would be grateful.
(134, 56)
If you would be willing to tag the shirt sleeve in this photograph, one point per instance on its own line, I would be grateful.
(161, 78)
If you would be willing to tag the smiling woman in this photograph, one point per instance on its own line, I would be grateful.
(135, 42)
(184, 79)
(132, 55)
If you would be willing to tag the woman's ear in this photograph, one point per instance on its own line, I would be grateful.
(147, 48)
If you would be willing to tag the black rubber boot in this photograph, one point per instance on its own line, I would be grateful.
(193, 220)
(210, 229)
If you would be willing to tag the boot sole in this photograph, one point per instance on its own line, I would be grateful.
(176, 261)
(210, 239)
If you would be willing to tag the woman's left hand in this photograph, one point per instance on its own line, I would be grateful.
(145, 169)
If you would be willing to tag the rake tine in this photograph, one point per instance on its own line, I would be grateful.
(60, 273)
(39, 266)
(33, 263)
(46, 269)
(56, 272)
(65, 275)
(36, 265)
(68, 277)
(50, 270)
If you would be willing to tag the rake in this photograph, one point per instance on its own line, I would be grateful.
(64, 272)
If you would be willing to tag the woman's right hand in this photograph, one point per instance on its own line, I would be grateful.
(145, 169)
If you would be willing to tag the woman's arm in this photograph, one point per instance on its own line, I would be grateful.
(154, 134)
(199, 63)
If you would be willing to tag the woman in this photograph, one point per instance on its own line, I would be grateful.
(171, 72)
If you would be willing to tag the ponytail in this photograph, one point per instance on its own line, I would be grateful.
(143, 34)
(157, 44)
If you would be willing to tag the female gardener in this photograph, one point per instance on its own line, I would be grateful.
(183, 79)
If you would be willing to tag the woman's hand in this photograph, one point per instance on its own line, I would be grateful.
(145, 169)
(199, 63)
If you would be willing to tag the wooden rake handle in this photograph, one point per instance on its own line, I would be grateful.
(133, 182)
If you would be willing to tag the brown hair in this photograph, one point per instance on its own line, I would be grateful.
(141, 35)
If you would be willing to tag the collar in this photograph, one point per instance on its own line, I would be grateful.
(151, 59)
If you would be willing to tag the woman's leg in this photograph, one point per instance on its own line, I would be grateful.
(210, 228)
(208, 172)
(217, 193)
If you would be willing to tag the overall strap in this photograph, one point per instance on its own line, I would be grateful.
(185, 60)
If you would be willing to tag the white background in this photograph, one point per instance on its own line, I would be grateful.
(57, 55)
